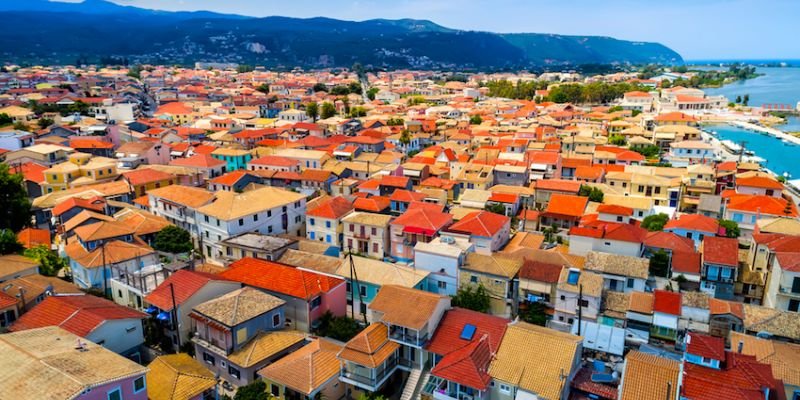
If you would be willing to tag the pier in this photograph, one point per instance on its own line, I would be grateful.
(785, 137)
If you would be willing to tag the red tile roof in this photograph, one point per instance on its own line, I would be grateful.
(693, 222)
(90, 144)
(614, 209)
(540, 271)
(230, 178)
(147, 175)
(95, 204)
(184, 283)
(31, 237)
(374, 203)
(279, 278)
(276, 161)
(423, 220)
(667, 302)
(741, 377)
(394, 181)
(79, 314)
(610, 230)
(480, 223)
(721, 251)
(333, 208)
(406, 196)
(669, 241)
(705, 346)
(567, 205)
(32, 171)
(558, 185)
(197, 161)
(7, 300)
(467, 366)
(761, 182)
(687, 262)
(447, 337)
(763, 205)
(508, 198)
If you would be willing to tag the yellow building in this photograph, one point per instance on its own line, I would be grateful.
(79, 170)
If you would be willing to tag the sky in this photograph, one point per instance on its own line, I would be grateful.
(697, 29)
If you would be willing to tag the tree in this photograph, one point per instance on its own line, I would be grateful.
(535, 314)
(594, 194)
(617, 140)
(312, 110)
(655, 222)
(44, 122)
(475, 120)
(372, 92)
(20, 126)
(405, 137)
(395, 122)
(471, 298)
(257, 390)
(328, 110)
(244, 68)
(358, 111)
(615, 109)
(14, 203)
(5, 119)
(340, 90)
(263, 88)
(341, 328)
(320, 87)
(746, 99)
(173, 239)
(649, 151)
(8, 242)
(731, 228)
(659, 263)
(496, 208)
(738, 99)
(49, 261)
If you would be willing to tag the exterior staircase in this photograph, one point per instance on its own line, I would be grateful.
(411, 389)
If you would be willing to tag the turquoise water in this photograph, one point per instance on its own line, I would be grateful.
(776, 86)
(780, 156)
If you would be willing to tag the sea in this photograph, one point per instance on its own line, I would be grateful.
(775, 86)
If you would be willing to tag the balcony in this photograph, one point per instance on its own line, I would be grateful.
(407, 336)
(212, 345)
(354, 374)
(361, 235)
(441, 389)
(788, 291)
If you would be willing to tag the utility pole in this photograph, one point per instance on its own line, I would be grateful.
(175, 314)
(105, 269)
(580, 307)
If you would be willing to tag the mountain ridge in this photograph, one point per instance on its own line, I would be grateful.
(184, 37)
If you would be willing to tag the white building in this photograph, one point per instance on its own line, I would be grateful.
(266, 210)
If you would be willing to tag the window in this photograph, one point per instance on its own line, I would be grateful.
(115, 394)
(234, 372)
(473, 279)
(374, 247)
(374, 230)
(441, 284)
(362, 290)
(269, 213)
(208, 358)
(255, 217)
(352, 228)
(584, 303)
(275, 390)
(630, 283)
(505, 388)
(316, 302)
(327, 224)
(563, 297)
(311, 221)
(276, 320)
(138, 384)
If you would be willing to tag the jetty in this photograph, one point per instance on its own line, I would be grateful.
(785, 137)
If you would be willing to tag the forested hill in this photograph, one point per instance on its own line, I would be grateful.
(39, 31)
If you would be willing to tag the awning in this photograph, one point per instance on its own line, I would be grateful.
(419, 231)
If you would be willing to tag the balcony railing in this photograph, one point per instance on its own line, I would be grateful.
(787, 290)
(367, 382)
(408, 336)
